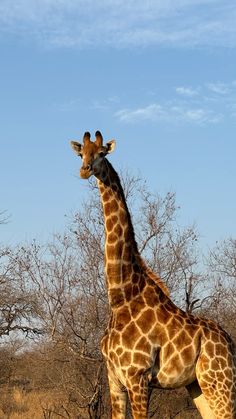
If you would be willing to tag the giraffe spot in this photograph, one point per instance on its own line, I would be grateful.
(158, 335)
(105, 196)
(163, 316)
(110, 251)
(181, 339)
(116, 297)
(162, 295)
(112, 271)
(143, 345)
(111, 238)
(163, 334)
(220, 349)
(191, 329)
(130, 335)
(114, 219)
(123, 216)
(167, 351)
(127, 252)
(136, 268)
(202, 323)
(114, 338)
(149, 281)
(220, 376)
(115, 251)
(128, 292)
(228, 373)
(210, 349)
(128, 236)
(141, 283)
(206, 390)
(132, 371)
(119, 351)
(118, 230)
(136, 399)
(113, 205)
(146, 320)
(203, 363)
(154, 334)
(126, 271)
(135, 278)
(223, 339)
(141, 359)
(180, 319)
(109, 224)
(214, 336)
(107, 209)
(151, 297)
(119, 248)
(122, 318)
(125, 359)
(173, 328)
(136, 306)
(188, 355)
(116, 280)
(135, 290)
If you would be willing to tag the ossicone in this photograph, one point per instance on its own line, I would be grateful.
(99, 139)
(87, 137)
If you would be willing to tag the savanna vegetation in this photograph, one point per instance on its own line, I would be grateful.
(53, 306)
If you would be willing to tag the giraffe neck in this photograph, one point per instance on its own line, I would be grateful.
(121, 252)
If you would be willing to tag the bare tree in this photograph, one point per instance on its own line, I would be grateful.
(18, 306)
(222, 266)
(4, 217)
(57, 291)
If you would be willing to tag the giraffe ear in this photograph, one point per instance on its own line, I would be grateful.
(110, 146)
(77, 147)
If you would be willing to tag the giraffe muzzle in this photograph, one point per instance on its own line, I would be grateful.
(86, 171)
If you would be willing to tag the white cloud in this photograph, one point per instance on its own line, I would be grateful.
(122, 23)
(167, 113)
(151, 112)
(186, 91)
(209, 103)
(219, 88)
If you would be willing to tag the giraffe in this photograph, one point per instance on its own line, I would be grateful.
(149, 341)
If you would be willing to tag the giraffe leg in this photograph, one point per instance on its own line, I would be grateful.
(200, 401)
(218, 389)
(139, 396)
(118, 398)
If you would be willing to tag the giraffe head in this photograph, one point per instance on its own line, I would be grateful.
(92, 153)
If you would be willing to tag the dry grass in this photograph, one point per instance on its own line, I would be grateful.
(16, 403)
(19, 404)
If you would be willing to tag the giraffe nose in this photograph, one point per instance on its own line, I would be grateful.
(86, 171)
(87, 167)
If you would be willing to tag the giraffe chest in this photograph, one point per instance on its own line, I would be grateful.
(127, 351)
(125, 361)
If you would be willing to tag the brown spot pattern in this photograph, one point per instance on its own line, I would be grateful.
(130, 335)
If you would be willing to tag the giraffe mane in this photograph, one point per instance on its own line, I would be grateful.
(152, 275)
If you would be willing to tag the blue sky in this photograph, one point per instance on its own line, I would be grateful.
(159, 76)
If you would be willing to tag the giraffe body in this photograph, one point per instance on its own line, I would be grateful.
(149, 341)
